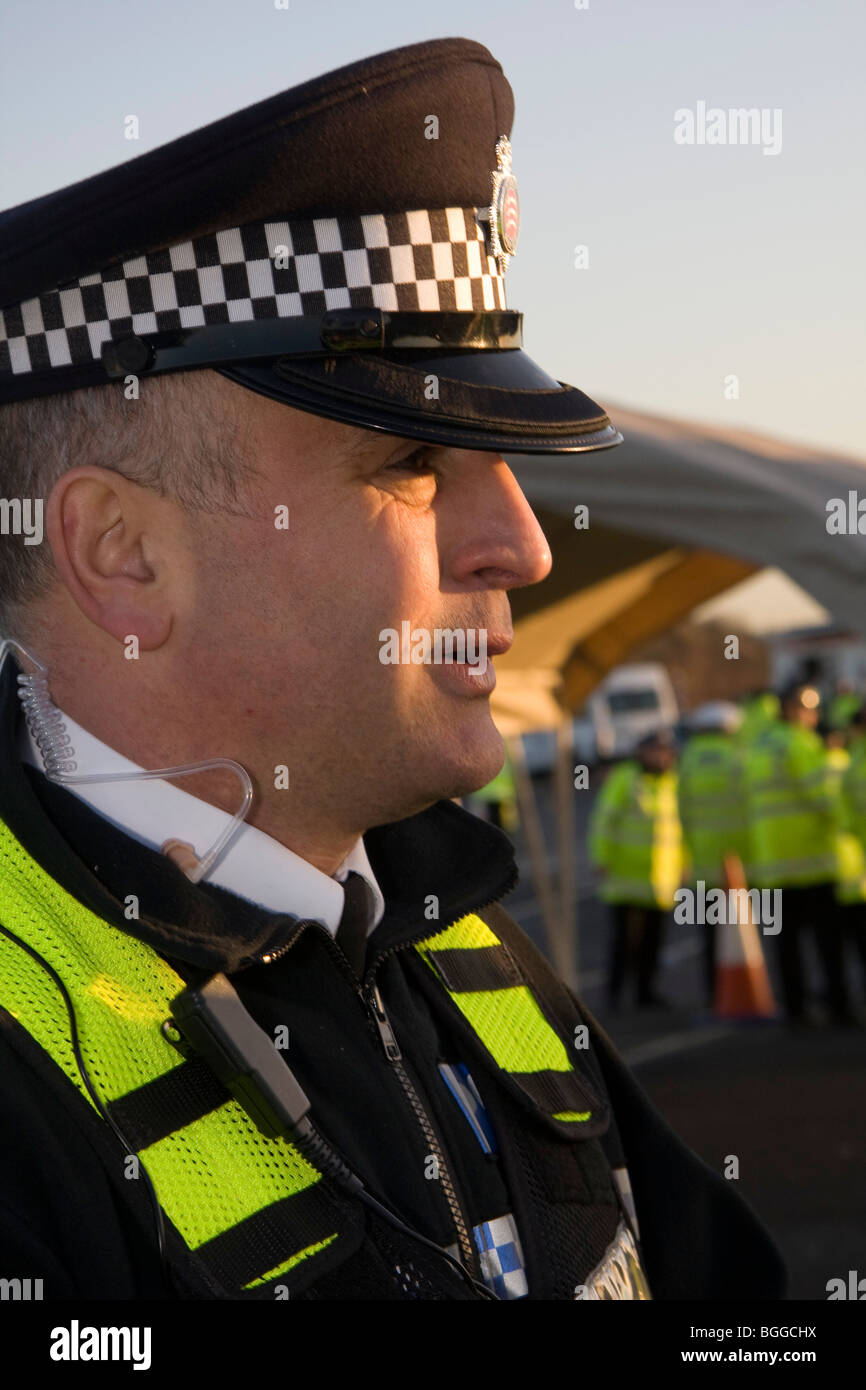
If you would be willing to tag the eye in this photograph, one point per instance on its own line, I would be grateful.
(420, 461)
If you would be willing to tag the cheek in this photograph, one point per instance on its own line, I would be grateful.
(321, 592)
(404, 556)
(374, 573)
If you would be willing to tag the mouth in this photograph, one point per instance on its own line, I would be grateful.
(471, 679)
(462, 679)
(498, 643)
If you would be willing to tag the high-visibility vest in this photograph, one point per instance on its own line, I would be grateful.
(791, 801)
(760, 712)
(711, 805)
(503, 787)
(635, 834)
(851, 841)
(250, 1209)
(503, 792)
(842, 709)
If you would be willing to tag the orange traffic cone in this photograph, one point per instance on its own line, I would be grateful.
(742, 984)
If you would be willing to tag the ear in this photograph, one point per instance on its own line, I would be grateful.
(111, 540)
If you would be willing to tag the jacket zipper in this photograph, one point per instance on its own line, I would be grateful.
(373, 1004)
(393, 1054)
(392, 1051)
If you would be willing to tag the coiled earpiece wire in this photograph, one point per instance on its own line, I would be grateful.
(48, 730)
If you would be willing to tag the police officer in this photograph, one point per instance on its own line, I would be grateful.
(635, 841)
(760, 710)
(843, 706)
(499, 798)
(851, 842)
(263, 376)
(792, 800)
(710, 797)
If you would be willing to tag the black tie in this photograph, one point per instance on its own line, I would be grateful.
(352, 932)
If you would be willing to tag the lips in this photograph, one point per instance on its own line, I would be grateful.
(497, 643)
(461, 676)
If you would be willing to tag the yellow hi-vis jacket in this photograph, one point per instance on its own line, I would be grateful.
(711, 804)
(792, 808)
(842, 710)
(760, 712)
(503, 787)
(635, 835)
(851, 842)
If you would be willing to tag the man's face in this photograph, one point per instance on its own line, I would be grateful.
(284, 625)
(657, 757)
(804, 715)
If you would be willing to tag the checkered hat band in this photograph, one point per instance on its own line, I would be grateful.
(427, 260)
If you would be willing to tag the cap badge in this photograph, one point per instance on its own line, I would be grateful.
(504, 207)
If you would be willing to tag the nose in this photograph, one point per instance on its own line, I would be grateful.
(496, 535)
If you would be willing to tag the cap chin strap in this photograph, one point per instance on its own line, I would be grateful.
(337, 331)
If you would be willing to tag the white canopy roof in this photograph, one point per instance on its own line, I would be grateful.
(743, 494)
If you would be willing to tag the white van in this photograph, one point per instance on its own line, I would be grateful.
(631, 702)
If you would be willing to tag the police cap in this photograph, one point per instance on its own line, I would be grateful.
(341, 247)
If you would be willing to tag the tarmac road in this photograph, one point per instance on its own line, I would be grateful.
(791, 1108)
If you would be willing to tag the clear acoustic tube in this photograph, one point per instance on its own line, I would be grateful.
(46, 726)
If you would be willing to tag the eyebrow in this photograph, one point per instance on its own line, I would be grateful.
(366, 444)
(361, 444)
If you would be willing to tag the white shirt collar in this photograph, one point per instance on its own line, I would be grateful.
(255, 865)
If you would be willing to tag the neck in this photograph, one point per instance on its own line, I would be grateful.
(273, 809)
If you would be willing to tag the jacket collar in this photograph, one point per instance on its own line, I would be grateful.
(443, 850)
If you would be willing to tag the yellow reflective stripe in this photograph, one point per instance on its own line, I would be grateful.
(804, 865)
(121, 987)
(508, 1022)
(573, 1115)
(790, 807)
(464, 934)
(220, 1169)
(664, 838)
(792, 784)
(513, 1029)
(717, 825)
(291, 1262)
(637, 822)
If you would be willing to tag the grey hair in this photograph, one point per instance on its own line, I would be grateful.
(177, 438)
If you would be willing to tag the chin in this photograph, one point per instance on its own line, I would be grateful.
(444, 758)
(464, 775)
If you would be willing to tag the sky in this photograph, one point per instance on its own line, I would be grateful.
(706, 262)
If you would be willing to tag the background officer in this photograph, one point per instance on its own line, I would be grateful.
(760, 710)
(635, 842)
(851, 869)
(710, 796)
(792, 809)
